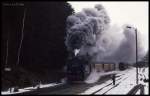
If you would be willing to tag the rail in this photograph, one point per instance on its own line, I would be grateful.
(134, 90)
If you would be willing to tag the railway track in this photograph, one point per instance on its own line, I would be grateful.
(82, 87)
(79, 87)
(115, 85)
(108, 87)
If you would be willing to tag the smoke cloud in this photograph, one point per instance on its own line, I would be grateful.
(90, 32)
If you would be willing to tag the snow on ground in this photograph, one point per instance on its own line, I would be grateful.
(47, 85)
(124, 83)
(95, 76)
(9, 93)
(125, 86)
(30, 88)
(102, 86)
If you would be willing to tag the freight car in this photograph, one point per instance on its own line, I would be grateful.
(105, 67)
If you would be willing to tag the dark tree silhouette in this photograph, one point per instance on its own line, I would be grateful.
(43, 48)
(43, 44)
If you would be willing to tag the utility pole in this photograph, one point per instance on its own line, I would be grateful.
(22, 36)
(136, 57)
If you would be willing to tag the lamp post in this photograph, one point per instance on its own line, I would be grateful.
(136, 57)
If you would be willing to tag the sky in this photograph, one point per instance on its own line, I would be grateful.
(133, 13)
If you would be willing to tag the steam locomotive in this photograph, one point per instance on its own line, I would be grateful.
(78, 69)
